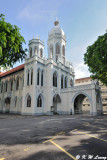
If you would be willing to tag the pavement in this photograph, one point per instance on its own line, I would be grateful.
(59, 137)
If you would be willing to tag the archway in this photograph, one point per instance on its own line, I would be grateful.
(7, 105)
(82, 104)
(56, 100)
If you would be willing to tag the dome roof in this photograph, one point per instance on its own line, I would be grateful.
(56, 29)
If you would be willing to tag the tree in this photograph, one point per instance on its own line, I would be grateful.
(11, 42)
(96, 59)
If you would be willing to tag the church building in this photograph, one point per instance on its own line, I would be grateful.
(45, 86)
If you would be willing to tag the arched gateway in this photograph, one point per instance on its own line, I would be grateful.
(77, 94)
(78, 103)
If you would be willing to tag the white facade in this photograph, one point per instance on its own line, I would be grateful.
(45, 86)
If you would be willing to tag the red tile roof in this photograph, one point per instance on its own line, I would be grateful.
(83, 78)
(1, 73)
(12, 70)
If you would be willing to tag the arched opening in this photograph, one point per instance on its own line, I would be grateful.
(56, 100)
(15, 102)
(2, 88)
(7, 104)
(38, 73)
(66, 82)
(57, 48)
(30, 52)
(42, 78)
(39, 101)
(21, 99)
(28, 78)
(31, 76)
(81, 104)
(17, 84)
(22, 81)
(63, 50)
(55, 79)
(41, 53)
(62, 82)
(51, 50)
(11, 87)
(6, 86)
(71, 83)
(28, 101)
(57, 51)
(36, 51)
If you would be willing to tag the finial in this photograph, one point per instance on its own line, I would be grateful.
(33, 36)
(36, 36)
(56, 23)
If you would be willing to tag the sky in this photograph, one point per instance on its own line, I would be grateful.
(82, 21)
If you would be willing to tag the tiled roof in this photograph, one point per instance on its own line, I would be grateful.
(1, 73)
(12, 70)
(86, 78)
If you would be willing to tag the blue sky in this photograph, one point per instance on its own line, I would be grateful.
(82, 21)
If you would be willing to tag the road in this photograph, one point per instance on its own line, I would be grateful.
(60, 137)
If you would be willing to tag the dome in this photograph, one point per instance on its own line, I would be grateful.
(56, 29)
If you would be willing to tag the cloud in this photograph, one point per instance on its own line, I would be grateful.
(81, 70)
(36, 11)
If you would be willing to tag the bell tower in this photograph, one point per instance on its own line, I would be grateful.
(57, 43)
(36, 47)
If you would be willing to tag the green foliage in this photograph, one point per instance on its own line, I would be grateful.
(96, 59)
(11, 42)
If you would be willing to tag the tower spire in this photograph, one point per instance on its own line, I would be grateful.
(56, 23)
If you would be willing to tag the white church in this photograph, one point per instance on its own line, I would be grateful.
(46, 86)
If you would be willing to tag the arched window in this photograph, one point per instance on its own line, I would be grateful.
(15, 102)
(63, 50)
(41, 53)
(38, 77)
(51, 50)
(71, 82)
(29, 101)
(42, 78)
(57, 49)
(30, 52)
(28, 78)
(62, 82)
(2, 88)
(17, 83)
(39, 101)
(55, 79)
(65, 82)
(31, 76)
(36, 51)
(21, 102)
(6, 86)
(11, 88)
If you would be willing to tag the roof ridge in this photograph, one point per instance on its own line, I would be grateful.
(12, 70)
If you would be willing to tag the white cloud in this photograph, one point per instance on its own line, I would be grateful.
(36, 11)
(81, 71)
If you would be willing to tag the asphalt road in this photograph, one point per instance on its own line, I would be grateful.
(53, 137)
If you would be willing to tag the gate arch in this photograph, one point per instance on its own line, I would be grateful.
(77, 103)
